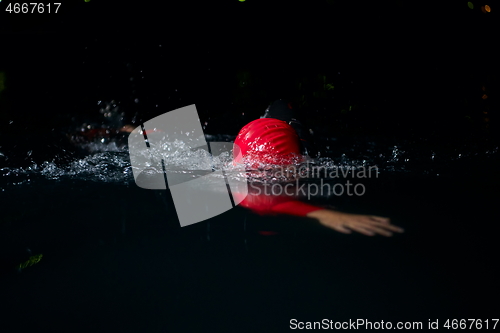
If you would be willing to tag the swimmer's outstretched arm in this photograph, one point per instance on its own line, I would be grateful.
(346, 223)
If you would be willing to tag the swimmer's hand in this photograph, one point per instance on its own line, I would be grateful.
(127, 128)
(346, 223)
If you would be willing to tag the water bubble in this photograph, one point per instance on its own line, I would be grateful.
(136, 100)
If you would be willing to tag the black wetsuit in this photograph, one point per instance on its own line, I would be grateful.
(282, 110)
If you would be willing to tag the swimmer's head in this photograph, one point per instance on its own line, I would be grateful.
(267, 141)
(280, 109)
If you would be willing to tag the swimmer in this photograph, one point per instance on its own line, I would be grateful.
(274, 142)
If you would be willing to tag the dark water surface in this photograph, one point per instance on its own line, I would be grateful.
(116, 259)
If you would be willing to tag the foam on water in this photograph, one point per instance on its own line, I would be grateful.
(110, 162)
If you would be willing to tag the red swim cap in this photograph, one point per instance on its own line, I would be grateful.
(267, 141)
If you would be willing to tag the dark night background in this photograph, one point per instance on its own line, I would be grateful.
(422, 73)
(405, 67)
